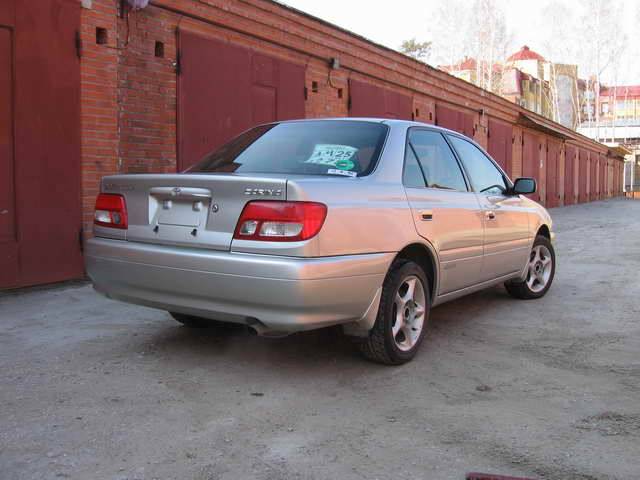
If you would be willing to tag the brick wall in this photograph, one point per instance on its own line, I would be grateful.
(129, 115)
(147, 92)
(99, 105)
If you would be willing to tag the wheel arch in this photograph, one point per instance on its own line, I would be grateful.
(544, 231)
(425, 256)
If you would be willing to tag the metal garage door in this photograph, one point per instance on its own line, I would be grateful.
(368, 100)
(454, 120)
(500, 146)
(583, 172)
(603, 176)
(223, 89)
(531, 159)
(553, 162)
(593, 169)
(569, 175)
(40, 213)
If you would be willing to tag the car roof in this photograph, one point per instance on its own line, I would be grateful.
(388, 121)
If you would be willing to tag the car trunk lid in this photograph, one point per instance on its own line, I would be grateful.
(196, 210)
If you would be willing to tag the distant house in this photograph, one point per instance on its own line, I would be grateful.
(529, 80)
(620, 105)
(619, 124)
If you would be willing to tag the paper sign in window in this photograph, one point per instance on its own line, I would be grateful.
(332, 155)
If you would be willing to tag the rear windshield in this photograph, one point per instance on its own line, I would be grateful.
(344, 148)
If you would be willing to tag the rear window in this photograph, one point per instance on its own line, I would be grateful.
(342, 148)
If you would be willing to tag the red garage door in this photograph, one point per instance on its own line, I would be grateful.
(500, 146)
(603, 176)
(569, 175)
(553, 162)
(367, 100)
(224, 89)
(531, 159)
(583, 172)
(454, 120)
(40, 214)
(593, 176)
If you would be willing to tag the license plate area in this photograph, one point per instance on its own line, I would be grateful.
(182, 213)
(185, 207)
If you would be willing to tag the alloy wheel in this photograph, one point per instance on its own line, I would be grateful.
(408, 313)
(539, 268)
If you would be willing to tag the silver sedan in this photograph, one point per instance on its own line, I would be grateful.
(291, 226)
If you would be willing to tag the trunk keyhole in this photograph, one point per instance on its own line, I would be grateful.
(194, 232)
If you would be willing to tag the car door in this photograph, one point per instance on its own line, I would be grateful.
(445, 212)
(506, 217)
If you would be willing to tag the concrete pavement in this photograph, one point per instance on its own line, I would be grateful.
(95, 389)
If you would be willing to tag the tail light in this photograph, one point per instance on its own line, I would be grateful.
(275, 221)
(111, 211)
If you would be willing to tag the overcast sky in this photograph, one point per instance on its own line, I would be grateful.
(389, 22)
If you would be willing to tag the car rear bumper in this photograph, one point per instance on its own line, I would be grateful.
(270, 293)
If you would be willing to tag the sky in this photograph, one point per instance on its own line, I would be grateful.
(375, 20)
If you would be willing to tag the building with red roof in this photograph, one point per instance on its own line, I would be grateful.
(525, 53)
(620, 104)
(528, 79)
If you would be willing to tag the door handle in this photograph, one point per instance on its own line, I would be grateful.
(490, 215)
(426, 215)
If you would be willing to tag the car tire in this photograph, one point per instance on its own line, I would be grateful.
(402, 318)
(192, 321)
(541, 269)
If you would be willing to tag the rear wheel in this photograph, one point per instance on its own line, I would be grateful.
(540, 272)
(192, 321)
(402, 316)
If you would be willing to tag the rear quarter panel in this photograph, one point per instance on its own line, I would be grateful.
(364, 215)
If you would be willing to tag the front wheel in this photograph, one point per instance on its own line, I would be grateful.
(541, 269)
(402, 316)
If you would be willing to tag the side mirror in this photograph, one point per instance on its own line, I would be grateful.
(524, 186)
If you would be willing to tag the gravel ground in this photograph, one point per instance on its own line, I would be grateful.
(550, 389)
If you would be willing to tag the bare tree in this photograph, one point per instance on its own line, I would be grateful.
(558, 34)
(603, 42)
(488, 40)
(418, 50)
(449, 22)
(559, 25)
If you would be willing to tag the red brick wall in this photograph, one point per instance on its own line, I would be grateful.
(99, 105)
(129, 94)
(147, 92)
